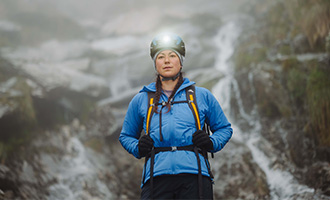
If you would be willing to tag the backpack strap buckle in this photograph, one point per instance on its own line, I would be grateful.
(174, 148)
(163, 103)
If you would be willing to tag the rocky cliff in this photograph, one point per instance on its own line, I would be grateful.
(282, 61)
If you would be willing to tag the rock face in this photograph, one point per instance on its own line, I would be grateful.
(30, 152)
(237, 176)
(277, 75)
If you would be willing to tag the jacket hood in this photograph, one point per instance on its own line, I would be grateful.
(152, 86)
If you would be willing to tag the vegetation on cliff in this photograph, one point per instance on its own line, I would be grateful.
(294, 35)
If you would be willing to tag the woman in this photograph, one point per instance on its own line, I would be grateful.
(174, 144)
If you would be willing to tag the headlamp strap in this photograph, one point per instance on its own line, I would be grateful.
(171, 78)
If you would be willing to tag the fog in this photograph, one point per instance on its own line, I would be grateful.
(121, 17)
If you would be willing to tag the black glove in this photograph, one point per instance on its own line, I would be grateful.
(145, 145)
(202, 140)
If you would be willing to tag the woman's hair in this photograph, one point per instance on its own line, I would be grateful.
(159, 92)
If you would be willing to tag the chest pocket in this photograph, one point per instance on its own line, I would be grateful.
(183, 116)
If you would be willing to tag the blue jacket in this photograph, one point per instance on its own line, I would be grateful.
(178, 126)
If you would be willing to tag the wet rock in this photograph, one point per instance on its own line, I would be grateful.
(300, 44)
(319, 175)
(7, 181)
(244, 178)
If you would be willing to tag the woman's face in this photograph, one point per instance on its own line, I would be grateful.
(168, 63)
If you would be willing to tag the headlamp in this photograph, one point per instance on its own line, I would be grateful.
(166, 39)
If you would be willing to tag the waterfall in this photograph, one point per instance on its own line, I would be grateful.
(282, 184)
(78, 174)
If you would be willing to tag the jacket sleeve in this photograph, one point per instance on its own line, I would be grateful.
(218, 122)
(132, 127)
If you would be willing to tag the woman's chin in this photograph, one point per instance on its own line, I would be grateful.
(167, 75)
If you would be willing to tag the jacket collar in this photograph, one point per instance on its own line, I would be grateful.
(152, 86)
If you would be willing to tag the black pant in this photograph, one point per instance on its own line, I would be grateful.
(182, 186)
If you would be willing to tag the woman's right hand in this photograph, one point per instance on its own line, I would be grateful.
(145, 145)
